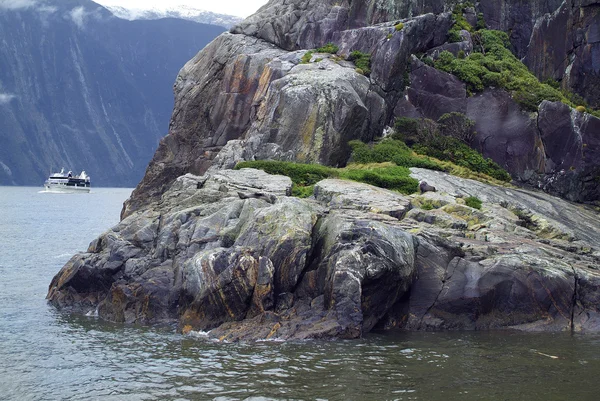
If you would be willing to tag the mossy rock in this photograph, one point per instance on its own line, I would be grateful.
(472, 216)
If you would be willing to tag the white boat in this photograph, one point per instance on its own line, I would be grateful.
(61, 182)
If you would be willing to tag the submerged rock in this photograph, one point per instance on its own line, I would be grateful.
(231, 253)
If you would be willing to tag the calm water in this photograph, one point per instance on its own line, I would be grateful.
(47, 355)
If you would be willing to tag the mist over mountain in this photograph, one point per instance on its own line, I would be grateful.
(82, 89)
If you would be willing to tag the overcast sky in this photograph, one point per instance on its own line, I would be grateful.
(242, 8)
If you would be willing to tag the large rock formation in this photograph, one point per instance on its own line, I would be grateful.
(231, 253)
(235, 100)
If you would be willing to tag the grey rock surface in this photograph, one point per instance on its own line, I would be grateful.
(232, 254)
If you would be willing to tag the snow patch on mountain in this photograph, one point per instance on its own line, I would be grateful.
(180, 11)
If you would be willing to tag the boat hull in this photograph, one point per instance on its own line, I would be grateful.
(66, 189)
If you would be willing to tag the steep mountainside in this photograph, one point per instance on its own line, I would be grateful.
(82, 89)
(279, 107)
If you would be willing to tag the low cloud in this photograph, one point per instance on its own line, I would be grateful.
(16, 4)
(6, 98)
(78, 15)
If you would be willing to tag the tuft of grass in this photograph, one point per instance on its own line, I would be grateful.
(474, 202)
(580, 109)
(302, 192)
(399, 26)
(331, 48)
(362, 61)
(307, 57)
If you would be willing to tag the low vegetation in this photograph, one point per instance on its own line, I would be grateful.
(492, 64)
(362, 61)
(330, 48)
(305, 176)
(307, 57)
(448, 140)
(474, 202)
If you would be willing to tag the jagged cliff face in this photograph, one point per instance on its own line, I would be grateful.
(82, 89)
(247, 95)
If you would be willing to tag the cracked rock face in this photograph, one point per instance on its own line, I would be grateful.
(231, 253)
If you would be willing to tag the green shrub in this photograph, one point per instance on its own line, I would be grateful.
(454, 36)
(429, 61)
(390, 150)
(300, 174)
(474, 202)
(495, 65)
(480, 22)
(399, 26)
(362, 61)
(457, 152)
(331, 48)
(427, 204)
(307, 56)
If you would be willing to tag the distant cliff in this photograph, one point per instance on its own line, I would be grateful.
(82, 89)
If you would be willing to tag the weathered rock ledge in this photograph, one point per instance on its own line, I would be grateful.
(231, 253)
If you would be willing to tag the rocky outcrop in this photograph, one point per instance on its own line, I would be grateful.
(232, 254)
(266, 102)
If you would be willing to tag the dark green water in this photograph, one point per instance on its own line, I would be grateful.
(47, 355)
